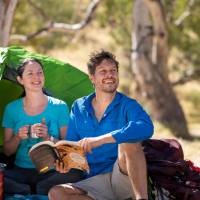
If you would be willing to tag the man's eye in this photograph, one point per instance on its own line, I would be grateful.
(103, 72)
(30, 74)
(114, 71)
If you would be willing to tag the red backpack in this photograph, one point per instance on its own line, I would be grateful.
(172, 177)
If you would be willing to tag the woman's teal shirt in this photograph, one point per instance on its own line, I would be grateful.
(56, 115)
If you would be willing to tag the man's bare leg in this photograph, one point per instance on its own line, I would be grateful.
(133, 163)
(67, 192)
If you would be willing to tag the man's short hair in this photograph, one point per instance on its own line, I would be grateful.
(97, 57)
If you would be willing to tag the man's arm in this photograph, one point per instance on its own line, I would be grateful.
(92, 142)
(138, 127)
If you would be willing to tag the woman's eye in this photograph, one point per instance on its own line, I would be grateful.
(40, 73)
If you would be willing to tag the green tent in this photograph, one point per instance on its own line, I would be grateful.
(62, 80)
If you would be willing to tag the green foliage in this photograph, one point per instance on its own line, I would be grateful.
(117, 16)
(26, 20)
(185, 36)
(32, 17)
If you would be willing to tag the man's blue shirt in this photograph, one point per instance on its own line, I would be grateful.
(124, 118)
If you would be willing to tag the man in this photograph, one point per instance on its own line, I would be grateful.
(110, 127)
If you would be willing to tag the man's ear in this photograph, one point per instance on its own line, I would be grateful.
(19, 79)
(91, 77)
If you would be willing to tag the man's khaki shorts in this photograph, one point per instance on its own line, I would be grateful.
(109, 186)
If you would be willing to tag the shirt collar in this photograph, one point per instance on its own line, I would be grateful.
(88, 102)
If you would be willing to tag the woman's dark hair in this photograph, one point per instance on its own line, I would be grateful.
(97, 57)
(20, 69)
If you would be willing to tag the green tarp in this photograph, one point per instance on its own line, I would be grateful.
(62, 80)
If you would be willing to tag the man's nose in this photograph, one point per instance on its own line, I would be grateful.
(110, 74)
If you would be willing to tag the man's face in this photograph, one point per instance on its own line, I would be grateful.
(106, 77)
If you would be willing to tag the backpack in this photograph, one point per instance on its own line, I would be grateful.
(171, 176)
(162, 149)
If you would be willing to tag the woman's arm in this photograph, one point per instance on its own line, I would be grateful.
(63, 131)
(11, 142)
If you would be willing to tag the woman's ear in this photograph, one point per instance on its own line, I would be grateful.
(19, 79)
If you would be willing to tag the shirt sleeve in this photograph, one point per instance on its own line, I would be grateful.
(138, 127)
(8, 121)
(63, 115)
(72, 133)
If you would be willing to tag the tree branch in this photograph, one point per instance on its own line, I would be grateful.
(189, 75)
(178, 22)
(55, 26)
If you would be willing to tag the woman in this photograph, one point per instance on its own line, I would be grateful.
(34, 118)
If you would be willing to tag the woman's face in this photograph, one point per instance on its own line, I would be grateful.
(33, 77)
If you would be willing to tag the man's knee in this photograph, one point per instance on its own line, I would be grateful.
(53, 192)
(56, 192)
(64, 191)
(130, 149)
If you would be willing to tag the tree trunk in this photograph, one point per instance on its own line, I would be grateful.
(7, 9)
(149, 64)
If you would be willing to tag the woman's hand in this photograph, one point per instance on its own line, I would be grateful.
(39, 130)
(23, 132)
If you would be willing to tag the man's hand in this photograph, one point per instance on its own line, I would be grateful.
(92, 142)
(61, 167)
(89, 143)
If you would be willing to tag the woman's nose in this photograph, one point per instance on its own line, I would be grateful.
(36, 76)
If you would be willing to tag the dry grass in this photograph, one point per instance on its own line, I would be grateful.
(189, 96)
